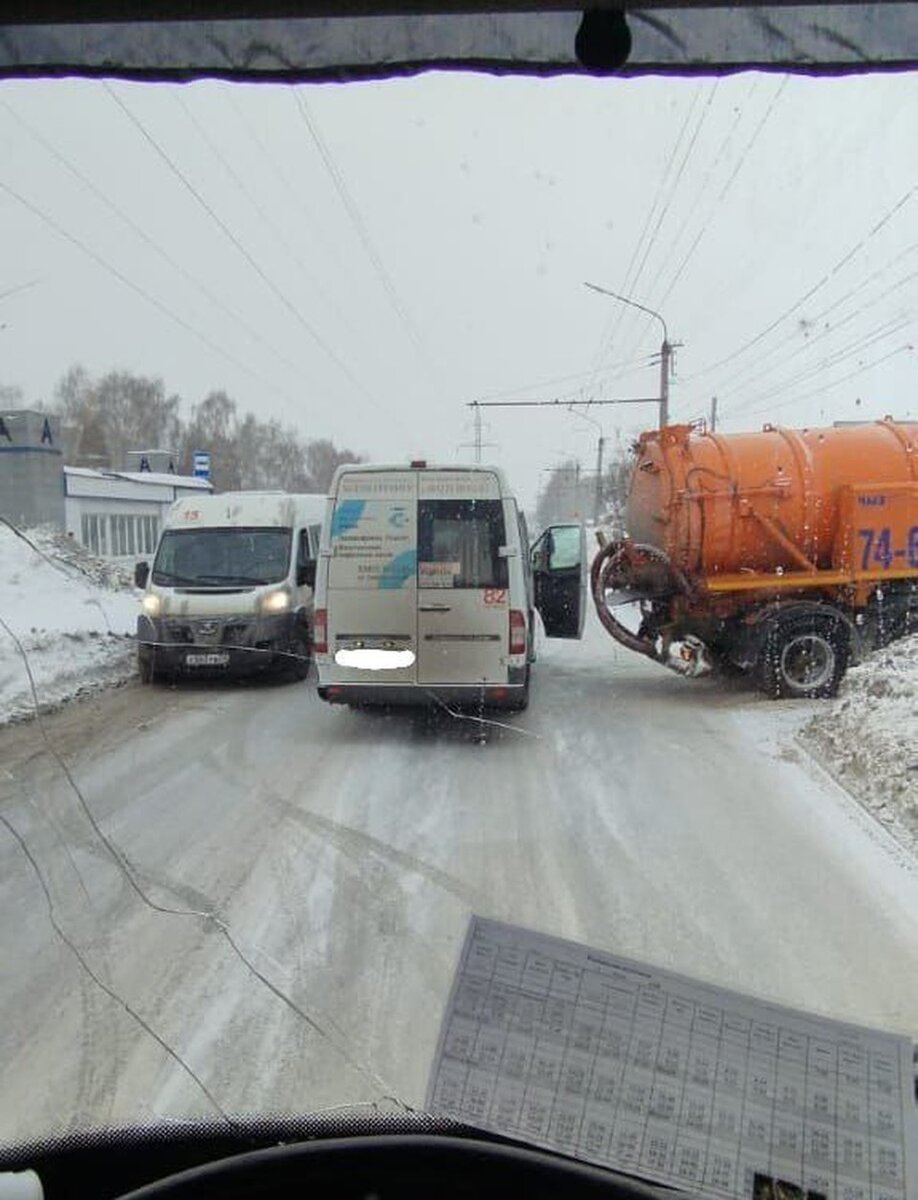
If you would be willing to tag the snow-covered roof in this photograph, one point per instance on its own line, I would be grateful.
(167, 477)
(157, 477)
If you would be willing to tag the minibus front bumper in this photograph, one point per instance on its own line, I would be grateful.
(227, 644)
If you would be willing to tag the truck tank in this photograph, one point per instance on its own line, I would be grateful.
(757, 502)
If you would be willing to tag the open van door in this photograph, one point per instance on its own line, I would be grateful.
(559, 576)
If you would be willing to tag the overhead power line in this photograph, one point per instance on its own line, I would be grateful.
(709, 219)
(234, 240)
(294, 194)
(130, 283)
(20, 287)
(626, 368)
(817, 287)
(693, 208)
(828, 387)
(265, 217)
(822, 334)
(724, 192)
(879, 334)
(145, 237)
(686, 156)
(612, 326)
(742, 373)
(356, 219)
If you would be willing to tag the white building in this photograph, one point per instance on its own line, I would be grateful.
(118, 514)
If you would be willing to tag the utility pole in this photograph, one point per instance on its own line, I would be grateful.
(477, 444)
(477, 431)
(666, 349)
(713, 414)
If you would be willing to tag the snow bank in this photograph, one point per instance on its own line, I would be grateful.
(868, 738)
(73, 616)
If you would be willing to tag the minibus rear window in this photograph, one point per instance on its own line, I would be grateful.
(467, 534)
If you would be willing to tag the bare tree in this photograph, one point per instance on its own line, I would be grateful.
(616, 482)
(566, 496)
(10, 396)
(105, 418)
(213, 426)
(322, 458)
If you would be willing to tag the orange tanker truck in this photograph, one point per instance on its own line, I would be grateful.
(785, 553)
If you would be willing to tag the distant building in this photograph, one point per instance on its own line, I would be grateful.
(31, 460)
(118, 514)
(115, 514)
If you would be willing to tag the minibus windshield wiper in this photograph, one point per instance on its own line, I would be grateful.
(248, 579)
(167, 579)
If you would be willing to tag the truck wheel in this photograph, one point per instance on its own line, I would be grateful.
(803, 658)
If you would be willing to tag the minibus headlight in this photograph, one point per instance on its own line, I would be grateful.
(151, 604)
(275, 602)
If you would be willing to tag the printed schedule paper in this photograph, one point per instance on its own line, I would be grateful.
(650, 1073)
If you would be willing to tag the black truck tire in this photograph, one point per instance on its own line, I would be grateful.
(803, 656)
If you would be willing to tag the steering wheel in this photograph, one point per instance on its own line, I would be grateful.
(405, 1166)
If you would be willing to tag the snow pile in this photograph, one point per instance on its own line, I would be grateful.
(73, 617)
(868, 738)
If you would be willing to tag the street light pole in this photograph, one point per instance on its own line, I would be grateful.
(666, 349)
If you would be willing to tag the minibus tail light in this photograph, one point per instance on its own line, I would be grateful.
(320, 631)
(517, 632)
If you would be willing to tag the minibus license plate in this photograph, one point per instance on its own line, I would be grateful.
(207, 660)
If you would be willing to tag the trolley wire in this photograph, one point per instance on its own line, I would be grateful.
(812, 291)
(267, 220)
(613, 324)
(828, 387)
(132, 284)
(827, 332)
(145, 237)
(360, 227)
(644, 322)
(724, 192)
(237, 244)
(878, 334)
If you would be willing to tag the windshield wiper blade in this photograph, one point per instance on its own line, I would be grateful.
(229, 579)
(164, 579)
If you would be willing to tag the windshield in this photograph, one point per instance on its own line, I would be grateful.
(240, 852)
(222, 556)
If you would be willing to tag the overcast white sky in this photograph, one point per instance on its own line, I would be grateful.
(447, 265)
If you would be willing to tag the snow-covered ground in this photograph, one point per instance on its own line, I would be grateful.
(74, 616)
(670, 820)
(71, 616)
(868, 737)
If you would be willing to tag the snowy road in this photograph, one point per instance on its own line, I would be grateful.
(341, 854)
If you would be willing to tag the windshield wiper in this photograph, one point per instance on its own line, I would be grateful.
(230, 579)
(164, 579)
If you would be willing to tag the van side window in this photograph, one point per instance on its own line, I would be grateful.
(468, 534)
(564, 549)
(304, 553)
